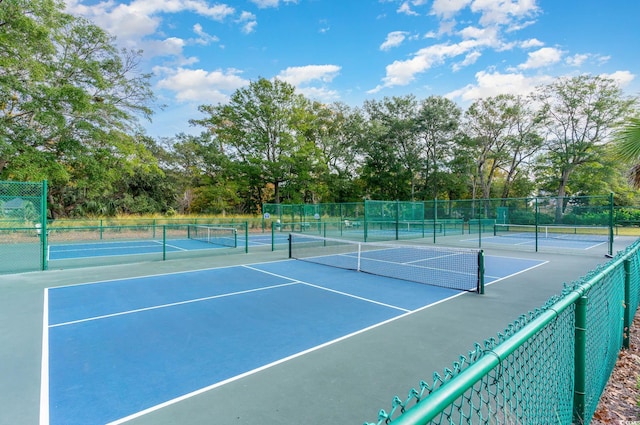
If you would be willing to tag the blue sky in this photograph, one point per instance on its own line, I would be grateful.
(201, 51)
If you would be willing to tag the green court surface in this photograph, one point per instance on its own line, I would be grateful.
(345, 381)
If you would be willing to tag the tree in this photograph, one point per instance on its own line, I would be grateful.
(579, 115)
(627, 140)
(262, 128)
(488, 124)
(523, 143)
(438, 122)
(392, 153)
(69, 100)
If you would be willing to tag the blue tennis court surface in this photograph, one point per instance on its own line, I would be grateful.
(149, 246)
(117, 349)
(109, 249)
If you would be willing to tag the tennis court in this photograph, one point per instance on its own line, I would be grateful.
(249, 338)
(547, 236)
(127, 348)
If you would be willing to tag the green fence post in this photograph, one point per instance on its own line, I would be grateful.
(366, 222)
(164, 242)
(579, 386)
(537, 211)
(628, 314)
(435, 218)
(611, 224)
(43, 226)
(397, 219)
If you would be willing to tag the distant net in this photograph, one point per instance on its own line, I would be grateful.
(216, 235)
(566, 232)
(454, 268)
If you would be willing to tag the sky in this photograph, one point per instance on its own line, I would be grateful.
(201, 51)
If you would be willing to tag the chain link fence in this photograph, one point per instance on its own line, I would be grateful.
(22, 226)
(550, 366)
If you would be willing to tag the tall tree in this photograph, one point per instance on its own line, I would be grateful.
(580, 114)
(523, 142)
(393, 155)
(69, 99)
(488, 123)
(262, 127)
(438, 122)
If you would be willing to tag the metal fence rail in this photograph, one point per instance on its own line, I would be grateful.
(550, 366)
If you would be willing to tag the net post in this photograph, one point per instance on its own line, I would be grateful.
(359, 255)
(480, 272)
(290, 245)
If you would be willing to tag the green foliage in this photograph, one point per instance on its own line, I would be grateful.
(70, 102)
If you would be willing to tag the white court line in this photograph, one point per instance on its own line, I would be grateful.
(331, 290)
(156, 307)
(44, 369)
(517, 273)
(270, 365)
(254, 371)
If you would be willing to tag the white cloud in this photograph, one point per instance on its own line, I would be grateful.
(138, 19)
(542, 57)
(394, 39)
(171, 46)
(204, 38)
(577, 59)
(623, 78)
(401, 73)
(492, 84)
(299, 75)
(470, 59)
(198, 85)
(503, 12)
(446, 9)
(263, 4)
(248, 21)
(531, 43)
(406, 9)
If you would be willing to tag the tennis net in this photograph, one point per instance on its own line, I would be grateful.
(216, 235)
(547, 231)
(454, 268)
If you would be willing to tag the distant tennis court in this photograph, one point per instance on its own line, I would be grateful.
(555, 236)
(119, 349)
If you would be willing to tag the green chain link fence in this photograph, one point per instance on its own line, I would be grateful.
(548, 367)
(538, 223)
(23, 226)
(28, 239)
